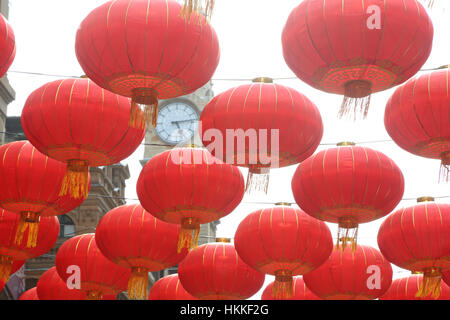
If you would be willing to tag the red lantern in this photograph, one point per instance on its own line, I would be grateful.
(134, 239)
(7, 46)
(356, 48)
(147, 50)
(77, 122)
(407, 288)
(98, 275)
(169, 288)
(300, 291)
(348, 185)
(30, 188)
(416, 239)
(188, 186)
(417, 117)
(214, 271)
(29, 295)
(261, 126)
(363, 274)
(283, 242)
(16, 265)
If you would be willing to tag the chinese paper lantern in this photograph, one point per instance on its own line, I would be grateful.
(7, 45)
(98, 275)
(214, 271)
(77, 122)
(363, 274)
(29, 295)
(188, 186)
(169, 288)
(30, 188)
(407, 288)
(134, 239)
(261, 126)
(16, 265)
(147, 50)
(299, 289)
(417, 238)
(284, 242)
(416, 117)
(355, 48)
(348, 185)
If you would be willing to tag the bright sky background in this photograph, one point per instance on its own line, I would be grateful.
(249, 32)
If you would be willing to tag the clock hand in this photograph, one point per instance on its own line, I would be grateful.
(180, 121)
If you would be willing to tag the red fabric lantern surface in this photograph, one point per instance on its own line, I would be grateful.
(29, 295)
(300, 291)
(355, 48)
(417, 117)
(407, 288)
(275, 126)
(99, 276)
(284, 242)
(7, 45)
(16, 265)
(363, 274)
(188, 186)
(348, 185)
(134, 239)
(214, 271)
(417, 239)
(446, 277)
(30, 188)
(11, 252)
(77, 122)
(147, 50)
(169, 288)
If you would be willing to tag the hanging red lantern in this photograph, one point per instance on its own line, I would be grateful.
(134, 239)
(29, 295)
(261, 126)
(348, 185)
(407, 288)
(416, 117)
(98, 275)
(169, 288)
(363, 274)
(7, 45)
(16, 265)
(147, 50)
(77, 122)
(416, 238)
(284, 242)
(356, 48)
(299, 289)
(188, 186)
(214, 271)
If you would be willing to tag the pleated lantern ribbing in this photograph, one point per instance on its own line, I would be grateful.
(348, 185)
(77, 122)
(99, 276)
(30, 187)
(284, 242)
(299, 291)
(190, 187)
(16, 265)
(261, 126)
(407, 288)
(134, 239)
(148, 50)
(7, 45)
(417, 238)
(169, 288)
(30, 294)
(355, 48)
(363, 274)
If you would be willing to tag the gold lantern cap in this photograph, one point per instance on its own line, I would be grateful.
(223, 240)
(345, 144)
(286, 204)
(425, 199)
(262, 80)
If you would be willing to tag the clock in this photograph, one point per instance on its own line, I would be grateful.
(177, 122)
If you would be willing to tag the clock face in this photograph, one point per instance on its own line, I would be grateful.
(177, 122)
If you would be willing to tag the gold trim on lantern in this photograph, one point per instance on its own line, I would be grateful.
(262, 80)
(425, 199)
(287, 204)
(223, 240)
(345, 144)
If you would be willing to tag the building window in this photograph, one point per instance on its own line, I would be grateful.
(66, 227)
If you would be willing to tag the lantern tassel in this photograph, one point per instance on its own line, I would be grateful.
(5, 268)
(138, 283)
(189, 234)
(444, 173)
(137, 118)
(204, 7)
(30, 221)
(151, 114)
(431, 284)
(356, 99)
(149, 98)
(76, 180)
(347, 233)
(283, 285)
(257, 180)
(94, 295)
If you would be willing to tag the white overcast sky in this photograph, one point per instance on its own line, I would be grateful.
(249, 33)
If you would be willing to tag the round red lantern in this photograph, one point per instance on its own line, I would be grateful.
(299, 289)
(80, 256)
(189, 186)
(348, 185)
(356, 48)
(29, 295)
(214, 271)
(261, 126)
(407, 288)
(147, 50)
(16, 265)
(363, 274)
(77, 122)
(169, 288)
(416, 238)
(284, 242)
(134, 239)
(7, 45)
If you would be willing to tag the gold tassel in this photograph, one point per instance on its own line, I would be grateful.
(257, 180)
(137, 117)
(149, 98)
(203, 7)
(347, 232)
(445, 167)
(94, 295)
(30, 221)
(76, 180)
(5, 268)
(431, 284)
(283, 286)
(138, 283)
(151, 113)
(189, 235)
(356, 99)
